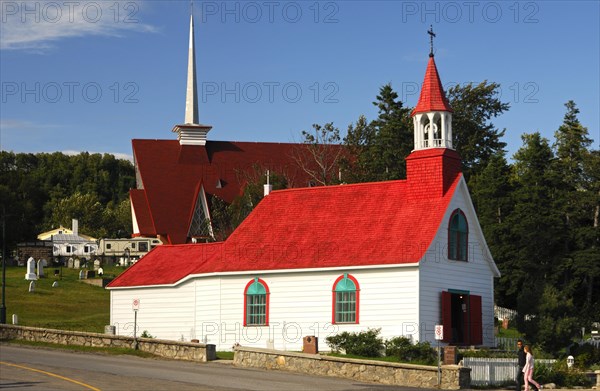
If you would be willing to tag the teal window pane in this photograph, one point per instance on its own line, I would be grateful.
(345, 303)
(458, 237)
(256, 305)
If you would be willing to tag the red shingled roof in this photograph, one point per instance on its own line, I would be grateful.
(142, 212)
(171, 175)
(335, 226)
(432, 96)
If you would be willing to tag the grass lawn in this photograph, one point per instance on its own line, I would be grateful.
(509, 333)
(85, 349)
(73, 305)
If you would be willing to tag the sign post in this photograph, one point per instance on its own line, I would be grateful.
(136, 307)
(439, 335)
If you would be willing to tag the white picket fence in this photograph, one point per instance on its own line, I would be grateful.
(494, 371)
(504, 313)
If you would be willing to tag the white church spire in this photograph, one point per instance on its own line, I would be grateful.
(191, 132)
(191, 97)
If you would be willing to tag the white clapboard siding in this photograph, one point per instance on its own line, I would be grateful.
(164, 312)
(211, 308)
(437, 273)
(300, 304)
(495, 371)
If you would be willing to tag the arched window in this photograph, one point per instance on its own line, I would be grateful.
(256, 303)
(458, 236)
(345, 300)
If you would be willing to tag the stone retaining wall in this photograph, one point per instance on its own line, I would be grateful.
(454, 377)
(170, 349)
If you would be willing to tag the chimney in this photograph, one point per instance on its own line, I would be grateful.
(268, 188)
(75, 227)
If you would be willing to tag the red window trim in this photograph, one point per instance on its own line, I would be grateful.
(355, 281)
(246, 302)
(451, 238)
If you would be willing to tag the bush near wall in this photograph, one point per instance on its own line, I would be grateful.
(370, 344)
(559, 374)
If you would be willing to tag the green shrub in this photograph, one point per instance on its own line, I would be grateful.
(406, 351)
(366, 343)
(586, 355)
(559, 374)
(146, 334)
(370, 344)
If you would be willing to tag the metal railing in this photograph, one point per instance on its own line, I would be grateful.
(437, 143)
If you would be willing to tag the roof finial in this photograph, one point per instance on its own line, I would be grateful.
(431, 36)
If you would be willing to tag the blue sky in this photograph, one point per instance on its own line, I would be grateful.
(92, 75)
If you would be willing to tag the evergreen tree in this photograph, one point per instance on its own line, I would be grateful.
(474, 136)
(536, 231)
(394, 136)
(492, 196)
(576, 168)
(377, 150)
(587, 240)
(357, 164)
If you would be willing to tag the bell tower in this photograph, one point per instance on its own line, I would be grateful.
(433, 165)
(432, 117)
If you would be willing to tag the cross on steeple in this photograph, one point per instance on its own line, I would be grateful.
(431, 36)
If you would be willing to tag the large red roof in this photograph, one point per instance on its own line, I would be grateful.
(335, 226)
(171, 176)
(432, 96)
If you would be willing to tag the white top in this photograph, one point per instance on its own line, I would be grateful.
(528, 363)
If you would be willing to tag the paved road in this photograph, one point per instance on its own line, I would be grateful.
(37, 369)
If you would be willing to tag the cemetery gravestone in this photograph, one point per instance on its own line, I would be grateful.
(31, 276)
(31, 286)
(70, 263)
(76, 264)
(40, 268)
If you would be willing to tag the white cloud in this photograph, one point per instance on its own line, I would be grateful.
(18, 124)
(37, 25)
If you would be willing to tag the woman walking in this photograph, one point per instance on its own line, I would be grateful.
(528, 369)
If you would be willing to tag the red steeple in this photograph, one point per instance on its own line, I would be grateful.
(432, 94)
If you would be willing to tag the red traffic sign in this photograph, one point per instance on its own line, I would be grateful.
(439, 332)
(136, 304)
